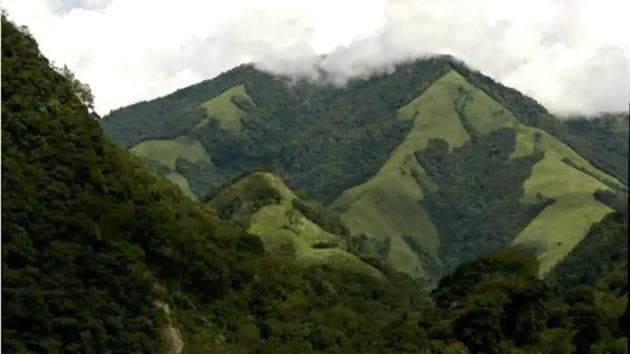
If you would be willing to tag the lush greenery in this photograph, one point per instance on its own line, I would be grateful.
(603, 140)
(603, 253)
(473, 182)
(320, 139)
(89, 237)
(91, 240)
(324, 139)
(498, 305)
(608, 136)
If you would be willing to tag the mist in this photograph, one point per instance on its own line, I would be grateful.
(571, 56)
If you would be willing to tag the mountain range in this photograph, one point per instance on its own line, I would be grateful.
(424, 210)
(428, 166)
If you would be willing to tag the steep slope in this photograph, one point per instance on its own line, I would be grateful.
(321, 138)
(603, 253)
(101, 255)
(90, 238)
(609, 138)
(369, 150)
(263, 204)
(389, 205)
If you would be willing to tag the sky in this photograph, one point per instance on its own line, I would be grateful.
(573, 56)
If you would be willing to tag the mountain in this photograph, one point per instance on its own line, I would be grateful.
(91, 239)
(263, 205)
(100, 254)
(428, 166)
(608, 136)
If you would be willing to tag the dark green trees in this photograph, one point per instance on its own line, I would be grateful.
(88, 235)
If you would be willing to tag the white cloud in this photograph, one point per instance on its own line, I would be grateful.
(571, 55)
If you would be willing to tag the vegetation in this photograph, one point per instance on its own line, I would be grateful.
(608, 136)
(89, 237)
(93, 242)
(602, 141)
(353, 134)
(496, 304)
(559, 227)
(287, 225)
(603, 251)
(475, 180)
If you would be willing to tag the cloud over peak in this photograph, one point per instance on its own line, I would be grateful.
(572, 56)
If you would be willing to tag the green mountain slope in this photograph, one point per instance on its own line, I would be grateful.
(263, 204)
(368, 149)
(101, 255)
(390, 204)
(320, 139)
(608, 136)
(90, 238)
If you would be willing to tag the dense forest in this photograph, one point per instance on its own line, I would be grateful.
(473, 181)
(323, 139)
(94, 244)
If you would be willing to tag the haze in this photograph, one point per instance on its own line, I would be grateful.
(572, 56)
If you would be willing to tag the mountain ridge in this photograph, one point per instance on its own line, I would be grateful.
(383, 198)
(102, 254)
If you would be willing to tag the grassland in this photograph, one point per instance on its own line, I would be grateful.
(285, 230)
(389, 204)
(182, 183)
(164, 153)
(563, 224)
(225, 111)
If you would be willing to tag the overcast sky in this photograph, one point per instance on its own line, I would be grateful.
(570, 55)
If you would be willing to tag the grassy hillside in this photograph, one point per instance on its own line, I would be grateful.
(359, 149)
(228, 108)
(163, 154)
(388, 205)
(572, 185)
(603, 250)
(263, 204)
(325, 138)
(101, 255)
(426, 237)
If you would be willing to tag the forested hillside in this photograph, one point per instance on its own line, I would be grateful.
(100, 254)
(408, 158)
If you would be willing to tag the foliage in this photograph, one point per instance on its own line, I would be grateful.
(320, 215)
(87, 233)
(91, 240)
(593, 279)
(81, 90)
(605, 246)
(608, 138)
(496, 304)
(243, 198)
(320, 138)
(474, 181)
(602, 141)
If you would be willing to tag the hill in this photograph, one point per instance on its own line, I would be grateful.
(286, 224)
(102, 255)
(91, 239)
(374, 151)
